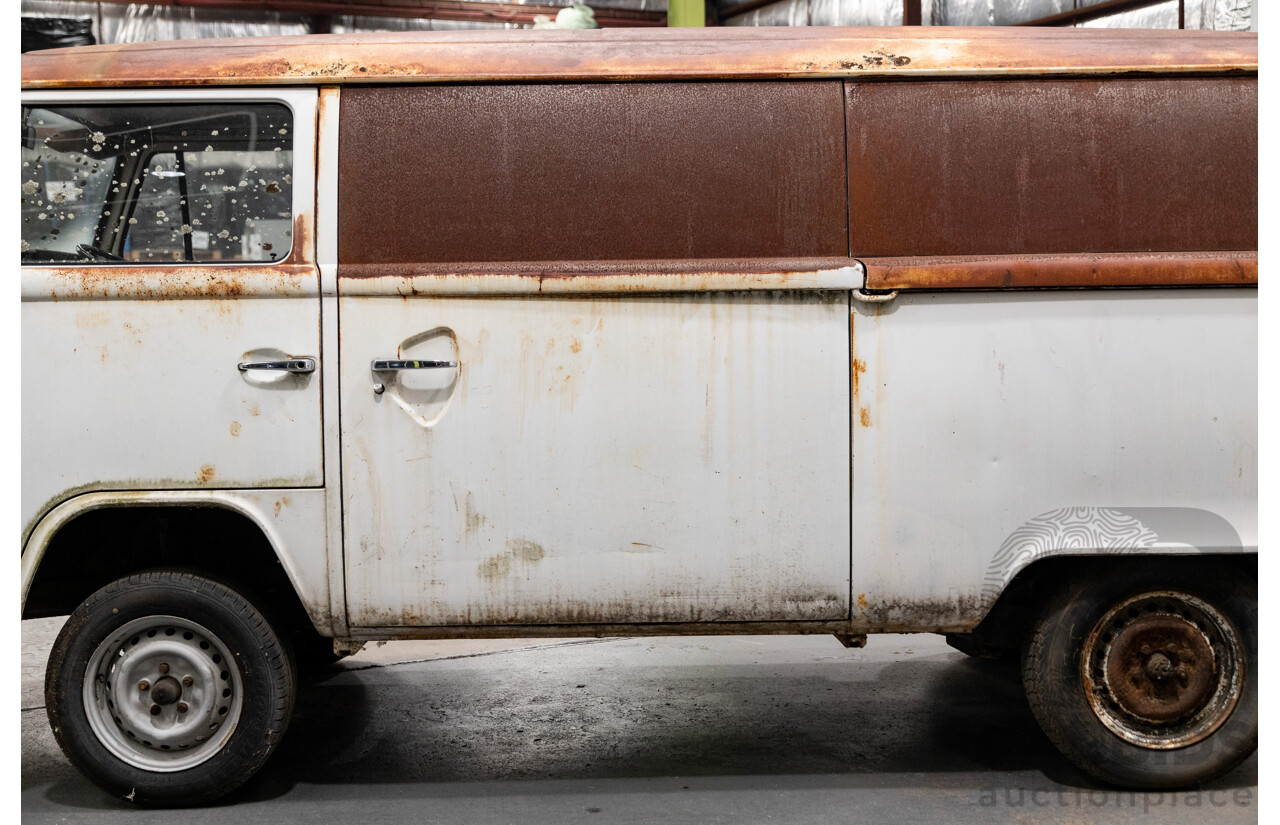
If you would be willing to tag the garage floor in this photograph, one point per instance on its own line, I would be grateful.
(696, 729)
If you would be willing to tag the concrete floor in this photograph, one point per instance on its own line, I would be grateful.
(701, 729)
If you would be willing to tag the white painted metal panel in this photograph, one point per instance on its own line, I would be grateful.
(130, 378)
(997, 428)
(656, 458)
(291, 520)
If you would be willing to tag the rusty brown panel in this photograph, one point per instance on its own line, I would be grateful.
(1053, 166)
(1058, 271)
(591, 172)
(744, 52)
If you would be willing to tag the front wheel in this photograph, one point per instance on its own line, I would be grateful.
(167, 688)
(1148, 678)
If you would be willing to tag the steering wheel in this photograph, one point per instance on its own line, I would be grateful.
(94, 253)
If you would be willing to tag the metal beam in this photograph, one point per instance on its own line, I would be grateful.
(472, 10)
(1082, 15)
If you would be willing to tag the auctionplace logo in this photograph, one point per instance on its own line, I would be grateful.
(1119, 530)
(1157, 803)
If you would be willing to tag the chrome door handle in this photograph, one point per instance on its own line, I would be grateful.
(295, 365)
(388, 365)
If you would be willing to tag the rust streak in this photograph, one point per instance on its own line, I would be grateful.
(859, 367)
(1064, 271)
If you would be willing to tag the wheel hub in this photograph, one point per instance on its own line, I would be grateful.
(166, 691)
(162, 694)
(1163, 670)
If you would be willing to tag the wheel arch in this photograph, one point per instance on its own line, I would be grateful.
(1010, 618)
(92, 539)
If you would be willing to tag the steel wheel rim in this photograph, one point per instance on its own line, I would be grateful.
(1163, 670)
(162, 694)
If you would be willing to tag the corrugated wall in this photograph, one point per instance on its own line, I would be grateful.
(1238, 15)
(118, 23)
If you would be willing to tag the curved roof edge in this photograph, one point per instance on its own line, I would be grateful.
(628, 54)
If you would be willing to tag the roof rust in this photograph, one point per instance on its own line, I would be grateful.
(625, 54)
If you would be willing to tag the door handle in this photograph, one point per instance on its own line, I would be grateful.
(389, 365)
(294, 365)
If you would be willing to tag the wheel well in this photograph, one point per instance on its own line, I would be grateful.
(100, 546)
(1006, 626)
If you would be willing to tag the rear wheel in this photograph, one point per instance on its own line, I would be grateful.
(1149, 679)
(168, 688)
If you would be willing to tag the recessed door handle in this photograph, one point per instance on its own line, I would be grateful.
(294, 365)
(389, 365)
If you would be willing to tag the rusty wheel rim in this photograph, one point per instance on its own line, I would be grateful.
(1163, 670)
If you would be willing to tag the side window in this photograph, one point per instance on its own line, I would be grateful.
(160, 183)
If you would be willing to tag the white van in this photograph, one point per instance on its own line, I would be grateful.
(480, 334)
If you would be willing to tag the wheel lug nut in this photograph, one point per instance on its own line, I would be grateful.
(144, 685)
(164, 668)
(182, 707)
(155, 710)
(187, 681)
(1146, 651)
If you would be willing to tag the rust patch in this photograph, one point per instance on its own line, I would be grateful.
(526, 551)
(474, 518)
(198, 280)
(862, 602)
(303, 239)
(864, 416)
(495, 567)
(253, 407)
(575, 346)
(235, 428)
(960, 612)
(206, 473)
(1064, 271)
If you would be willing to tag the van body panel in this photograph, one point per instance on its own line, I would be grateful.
(607, 171)
(1052, 166)
(656, 458)
(997, 429)
(143, 358)
(291, 519)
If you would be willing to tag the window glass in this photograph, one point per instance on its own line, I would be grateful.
(160, 183)
(64, 187)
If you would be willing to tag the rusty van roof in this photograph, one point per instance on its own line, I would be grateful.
(633, 53)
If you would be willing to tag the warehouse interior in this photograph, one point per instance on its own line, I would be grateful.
(52, 23)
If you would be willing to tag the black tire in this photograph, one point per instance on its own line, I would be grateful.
(155, 618)
(1104, 690)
